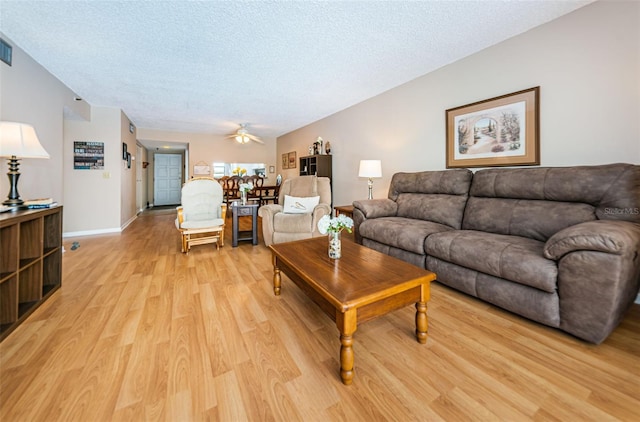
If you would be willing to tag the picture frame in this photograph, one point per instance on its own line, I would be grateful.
(285, 161)
(124, 151)
(292, 160)
(272, 169)
(201, 170)
(499, 131)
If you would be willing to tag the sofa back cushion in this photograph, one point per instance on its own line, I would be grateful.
(538, 202)
(438, 196)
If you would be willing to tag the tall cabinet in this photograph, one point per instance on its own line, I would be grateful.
(320, 165)
(30, 263)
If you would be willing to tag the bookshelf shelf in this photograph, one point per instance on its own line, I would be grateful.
(30, 263)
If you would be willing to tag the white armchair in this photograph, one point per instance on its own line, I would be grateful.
(201, 216)
(279, 225)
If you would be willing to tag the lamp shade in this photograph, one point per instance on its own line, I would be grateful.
(370, 168)
(20, 140)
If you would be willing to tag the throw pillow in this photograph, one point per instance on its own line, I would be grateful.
(295, 205)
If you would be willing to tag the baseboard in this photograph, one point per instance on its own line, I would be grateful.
(91, 232)
(131, 220)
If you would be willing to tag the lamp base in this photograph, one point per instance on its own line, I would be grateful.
(370, 188)
(13, 202)
(13, 198)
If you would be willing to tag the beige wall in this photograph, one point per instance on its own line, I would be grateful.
(586, 63)
(30, 94)
(93, 197)
(128, 175)
(95, 201)
(210, 149)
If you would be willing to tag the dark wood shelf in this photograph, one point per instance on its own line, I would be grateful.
(30, 263)
(320, 165)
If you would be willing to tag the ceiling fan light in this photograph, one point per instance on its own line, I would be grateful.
(242, 139)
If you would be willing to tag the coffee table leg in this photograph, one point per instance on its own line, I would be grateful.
(422, 322)
(347, 324)
(346, 359)
(276, 277)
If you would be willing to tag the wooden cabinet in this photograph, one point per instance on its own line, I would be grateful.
(30, 262)
(320, 165)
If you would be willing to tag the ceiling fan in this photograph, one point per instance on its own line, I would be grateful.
(242, 136)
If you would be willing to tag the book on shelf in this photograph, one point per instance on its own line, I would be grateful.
(39, 206)
(39, 201)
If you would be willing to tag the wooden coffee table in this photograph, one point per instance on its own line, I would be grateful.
(362, 285)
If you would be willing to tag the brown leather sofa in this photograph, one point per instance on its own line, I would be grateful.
(560, 246)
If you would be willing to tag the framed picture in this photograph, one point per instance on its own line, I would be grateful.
(272, 169)
(292, 160)
(285, 161)
(201, 170)
(124, 151)
(88, 155)
(500, 131)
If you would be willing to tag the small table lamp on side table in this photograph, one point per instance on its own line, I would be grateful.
(371, 169)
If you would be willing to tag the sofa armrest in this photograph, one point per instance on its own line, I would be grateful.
(376, 208)
(267, 213)
(318, 212)
(615, 237)
(371, 208)
(598, 267)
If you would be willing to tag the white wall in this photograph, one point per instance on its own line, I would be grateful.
(587, 64)
(30, 94)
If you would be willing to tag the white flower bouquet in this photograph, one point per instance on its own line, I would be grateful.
(245, 187)
(335, 225)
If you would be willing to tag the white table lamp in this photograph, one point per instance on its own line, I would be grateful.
(18, 140)
(371, 169)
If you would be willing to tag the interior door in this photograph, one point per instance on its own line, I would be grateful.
(168, 179)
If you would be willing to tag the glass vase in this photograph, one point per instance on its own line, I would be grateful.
(243, 197)
(335, 245)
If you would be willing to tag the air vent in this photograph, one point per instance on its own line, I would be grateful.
(5, 52)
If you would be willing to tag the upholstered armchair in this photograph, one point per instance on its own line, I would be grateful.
(295, 216)
(201, 216)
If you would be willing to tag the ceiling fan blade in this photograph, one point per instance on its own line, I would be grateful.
(255, 138)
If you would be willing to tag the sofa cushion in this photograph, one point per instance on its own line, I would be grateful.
(438, 196)
(513, 258)
(292, 223)
(403, 233)
(443, 209)
(537, 220)
(612, 190)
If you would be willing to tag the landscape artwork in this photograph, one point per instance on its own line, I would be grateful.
(495, 132)
(501, 131)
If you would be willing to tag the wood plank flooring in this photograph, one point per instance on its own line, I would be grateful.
(139, 331)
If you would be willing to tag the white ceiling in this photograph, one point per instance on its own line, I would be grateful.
(205, 66)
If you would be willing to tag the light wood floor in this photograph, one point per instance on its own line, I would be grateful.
(139, 331)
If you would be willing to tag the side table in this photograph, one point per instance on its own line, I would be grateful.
(344, 209)
(240, 211)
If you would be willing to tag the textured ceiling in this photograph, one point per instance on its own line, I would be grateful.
(204, 66)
